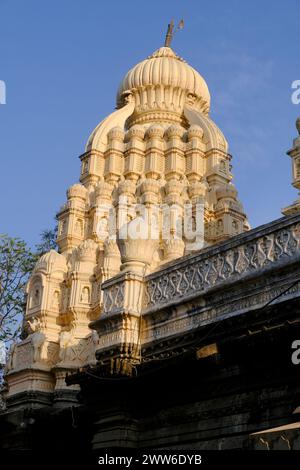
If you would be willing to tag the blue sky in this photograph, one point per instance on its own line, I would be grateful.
(62, 62)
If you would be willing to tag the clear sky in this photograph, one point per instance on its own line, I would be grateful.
(62, 61)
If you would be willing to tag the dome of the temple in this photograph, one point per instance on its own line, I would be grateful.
(164, 80)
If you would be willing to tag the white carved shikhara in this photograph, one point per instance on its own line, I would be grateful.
(158, 149)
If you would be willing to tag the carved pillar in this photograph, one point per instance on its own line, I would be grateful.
(114, 155)
(101, 212)
(194, 217)
(230, 218)
(81, 298)
(76, 344)
(154, 164)
(173, 243)
(119, 327)
(92, 166)
(195, 154)
(134, 153)
(174, 155)
(71, 226)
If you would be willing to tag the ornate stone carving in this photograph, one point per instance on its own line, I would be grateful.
(12, 358)
(87, 250)
(113, 298)
(207, 271)
(38, 341)
(67, 351)
(75, 352)
(158, 147)
(173, 248)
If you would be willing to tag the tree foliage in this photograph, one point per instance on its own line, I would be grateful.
(47, 243)
(17, 261)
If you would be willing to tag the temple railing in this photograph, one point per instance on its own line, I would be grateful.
(243, 256)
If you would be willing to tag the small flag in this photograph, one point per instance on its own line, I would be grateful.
(181, 24)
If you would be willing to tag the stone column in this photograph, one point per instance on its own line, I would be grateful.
(119, 327)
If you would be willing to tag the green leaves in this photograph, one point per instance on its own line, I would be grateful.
(16, 262)
(47, 243)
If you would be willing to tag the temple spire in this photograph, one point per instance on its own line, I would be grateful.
(171, 33)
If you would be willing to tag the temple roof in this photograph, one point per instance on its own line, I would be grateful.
(165, 68)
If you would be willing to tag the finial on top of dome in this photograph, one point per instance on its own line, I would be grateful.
(298, 124)
(171, 33)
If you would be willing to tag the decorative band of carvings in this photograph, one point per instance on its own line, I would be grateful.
(264, 249)
(113, 297)
(218, 310)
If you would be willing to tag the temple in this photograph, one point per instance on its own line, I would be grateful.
(158, 281)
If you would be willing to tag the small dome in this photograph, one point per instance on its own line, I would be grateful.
(50, 261)
(226, 191)
(154, 131)
(87, 250)
(104, 190)
(195, 131)
(149, 185)
(174, 131)
(136, 131)
(78, 191)
(162, 69)
(127, 187)
(116, 133)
